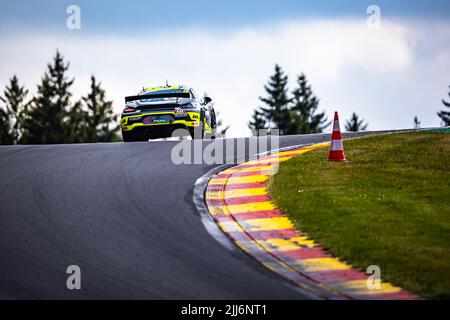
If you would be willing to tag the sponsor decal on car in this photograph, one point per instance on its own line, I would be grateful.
(157, 119)
(179, 112)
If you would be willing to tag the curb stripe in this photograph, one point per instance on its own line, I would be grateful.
(239, 193)
(304, 253)
(239, 186)
(248, 169)
(238, 180)
(249, 207)
(339, 275)
(237, 199)
(247, 199)
(258, 215)
(266, 224)
(246, 174)
(241, 217)
(300, 254)
(269, 234)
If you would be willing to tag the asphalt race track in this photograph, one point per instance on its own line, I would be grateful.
(124, 214)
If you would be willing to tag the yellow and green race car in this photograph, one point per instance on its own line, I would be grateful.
(165, 111)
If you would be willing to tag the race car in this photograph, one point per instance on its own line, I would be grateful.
(160, 112)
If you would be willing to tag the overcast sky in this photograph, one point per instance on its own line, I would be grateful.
(387, 75)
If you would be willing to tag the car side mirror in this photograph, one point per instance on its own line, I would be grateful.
(207, 100)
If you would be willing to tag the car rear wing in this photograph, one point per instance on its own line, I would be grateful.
(158, 96)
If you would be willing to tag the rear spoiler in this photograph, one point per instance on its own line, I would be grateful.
(159, 96)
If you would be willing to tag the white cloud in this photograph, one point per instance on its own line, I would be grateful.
(388, 75)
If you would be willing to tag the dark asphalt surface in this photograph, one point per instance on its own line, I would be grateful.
(124, 214)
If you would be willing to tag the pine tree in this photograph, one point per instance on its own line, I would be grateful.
(416, 123)
(5, 128)
(47, 119)
(445, 115)
(77, 125)
(276, 111)
(355, 124)
(257, 122)
(100, 118)
(15, 108)
(304, 118)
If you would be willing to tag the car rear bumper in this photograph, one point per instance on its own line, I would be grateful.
(161, 126)
(161, 131)
(133, 121)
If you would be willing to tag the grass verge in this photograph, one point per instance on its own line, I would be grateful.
(388, 206)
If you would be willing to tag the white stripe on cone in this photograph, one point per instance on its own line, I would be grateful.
(337, 145)
(336, 126)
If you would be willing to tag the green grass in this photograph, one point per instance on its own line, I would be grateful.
(388, 206)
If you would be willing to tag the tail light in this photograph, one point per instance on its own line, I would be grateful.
(128, 110)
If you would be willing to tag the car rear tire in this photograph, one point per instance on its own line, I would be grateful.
(210, 136)
(213, 134)
(195, 135)
(130, 136)
(193, 131)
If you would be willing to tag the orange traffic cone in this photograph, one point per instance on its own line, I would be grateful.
(337, 148)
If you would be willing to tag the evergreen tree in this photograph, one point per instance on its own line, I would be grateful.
(100, 120)
(77, 125)
(304, 118)
(5, 128)
(257, 122)
(445, 115)
(416, 123)
(15, 108)
(355, 124)
(47, 118)
(276, 111)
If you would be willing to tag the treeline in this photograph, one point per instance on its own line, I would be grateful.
(289, 112)
(51, 116)
(295, 112)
